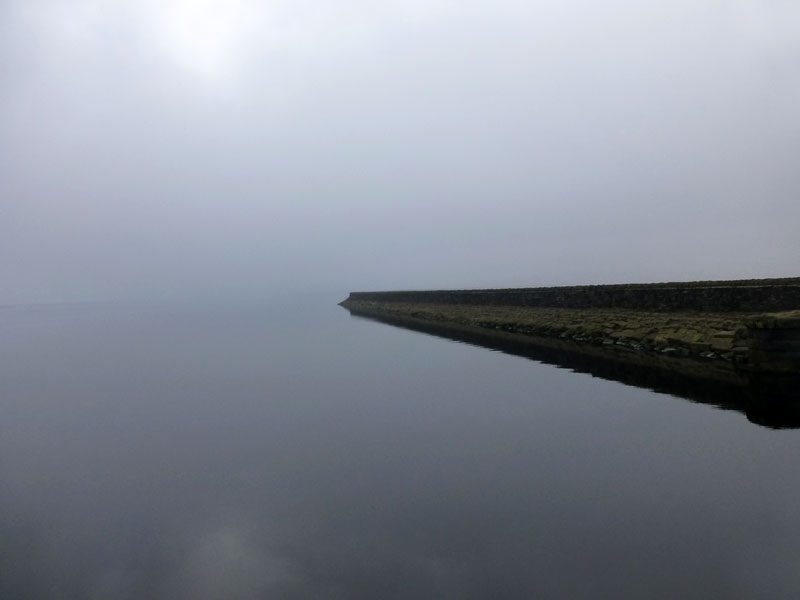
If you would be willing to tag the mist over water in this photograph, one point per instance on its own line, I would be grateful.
(291, 451)
(172, 149)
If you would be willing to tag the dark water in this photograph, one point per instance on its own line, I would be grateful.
(292, 451)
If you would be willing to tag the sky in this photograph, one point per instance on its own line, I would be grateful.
(168, 149)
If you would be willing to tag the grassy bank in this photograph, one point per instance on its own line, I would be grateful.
(704, 335)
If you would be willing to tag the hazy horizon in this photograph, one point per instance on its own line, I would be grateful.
(228, 149)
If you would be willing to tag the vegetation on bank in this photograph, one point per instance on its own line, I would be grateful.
(703, 334)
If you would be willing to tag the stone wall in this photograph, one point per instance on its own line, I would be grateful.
(754, 295)
(774, 341)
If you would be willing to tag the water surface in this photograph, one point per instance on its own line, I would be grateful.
(288, 450)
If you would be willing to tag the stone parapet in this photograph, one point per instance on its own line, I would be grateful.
(755, 295)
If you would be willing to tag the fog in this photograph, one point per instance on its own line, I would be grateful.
(232, 148)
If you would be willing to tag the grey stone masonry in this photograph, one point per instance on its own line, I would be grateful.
(754, 295)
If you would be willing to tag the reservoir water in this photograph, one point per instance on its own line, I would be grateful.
(289, 450)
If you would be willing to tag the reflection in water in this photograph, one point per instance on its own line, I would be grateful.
(771, 400)
(292, 452)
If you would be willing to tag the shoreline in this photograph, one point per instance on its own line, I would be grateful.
(597, 320)
(712, 336)
(768, 399)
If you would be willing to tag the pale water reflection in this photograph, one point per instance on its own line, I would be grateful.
(768, 399)
(290, 451)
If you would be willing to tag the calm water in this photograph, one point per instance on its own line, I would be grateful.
(293, 451)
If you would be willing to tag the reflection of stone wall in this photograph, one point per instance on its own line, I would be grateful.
(769, 399)
(756, 295)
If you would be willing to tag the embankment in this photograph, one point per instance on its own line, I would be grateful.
(753, 325)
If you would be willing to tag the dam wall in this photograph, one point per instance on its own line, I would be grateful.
(773, 341)
(752, 323)
(751, 295)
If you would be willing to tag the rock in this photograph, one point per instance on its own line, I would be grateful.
(721, 343)
(699, 347)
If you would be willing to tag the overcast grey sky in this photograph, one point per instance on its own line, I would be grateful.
(171, 148)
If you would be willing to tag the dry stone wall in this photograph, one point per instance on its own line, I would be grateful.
(757, 295)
